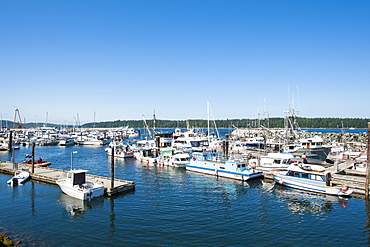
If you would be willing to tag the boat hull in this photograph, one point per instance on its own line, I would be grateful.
(19, 178)
(221, 173)
(309, 185)
(81, 193)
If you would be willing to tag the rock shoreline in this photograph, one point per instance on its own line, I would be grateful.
(5, 241)
(328, 137)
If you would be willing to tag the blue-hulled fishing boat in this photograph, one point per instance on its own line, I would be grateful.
(216, 165)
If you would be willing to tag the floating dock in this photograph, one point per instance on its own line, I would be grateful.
(51, 175)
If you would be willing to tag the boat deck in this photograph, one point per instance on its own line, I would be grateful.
(51, 175)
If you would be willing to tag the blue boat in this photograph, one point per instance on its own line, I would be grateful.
(213, 164)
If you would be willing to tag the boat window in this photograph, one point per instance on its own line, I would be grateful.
(304, 175)
(277, 161)
(222, 167)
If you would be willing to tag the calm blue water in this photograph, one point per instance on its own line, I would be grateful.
(172, 207)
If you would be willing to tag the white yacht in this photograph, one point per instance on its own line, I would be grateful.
(312, 178)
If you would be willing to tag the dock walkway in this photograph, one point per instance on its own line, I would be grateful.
(51, 175)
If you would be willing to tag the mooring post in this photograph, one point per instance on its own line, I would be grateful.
(112, 169)
(367, 163)
(10, 144)
(227, 145)
(33, 157)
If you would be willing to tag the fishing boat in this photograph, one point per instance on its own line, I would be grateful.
(19, 177)
(213, 164)
(312, 178)
(76, 185)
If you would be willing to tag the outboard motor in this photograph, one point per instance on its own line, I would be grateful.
(14, 182)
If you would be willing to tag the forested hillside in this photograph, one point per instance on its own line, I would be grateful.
(240, 123)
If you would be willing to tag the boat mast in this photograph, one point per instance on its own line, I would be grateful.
(17, 114)
(154, 122)
(46, 120)
(146, 126)
(94, 119)
(208, 120)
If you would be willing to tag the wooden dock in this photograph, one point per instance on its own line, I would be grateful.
(51, 175)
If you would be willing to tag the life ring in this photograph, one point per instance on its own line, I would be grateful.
(344, 188)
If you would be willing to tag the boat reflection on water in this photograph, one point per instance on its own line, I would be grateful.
(76, 208)
(301, 202)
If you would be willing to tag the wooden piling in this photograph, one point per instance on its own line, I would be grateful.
(33, 157)
(112, 169)
(10, 144)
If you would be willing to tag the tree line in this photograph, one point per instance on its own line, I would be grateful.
(328, 123)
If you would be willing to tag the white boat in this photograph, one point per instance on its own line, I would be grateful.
(19, 177)
(93, 140)
(146, 155)
(168, 157)
(312, 178)
(213, 165)
(76, 185)
(120, 150)
(67, 142)
(190, 140)
(276, 161)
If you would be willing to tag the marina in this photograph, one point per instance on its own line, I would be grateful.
(185, 123)
(179, 200)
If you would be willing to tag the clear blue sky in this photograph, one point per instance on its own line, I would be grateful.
(123, 59)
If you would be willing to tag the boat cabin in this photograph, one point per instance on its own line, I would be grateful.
(317, 177)
(313, 142)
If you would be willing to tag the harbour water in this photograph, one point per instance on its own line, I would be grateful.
(174, 207)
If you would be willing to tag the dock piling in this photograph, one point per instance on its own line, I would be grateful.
(112, 169)
(33, 157)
